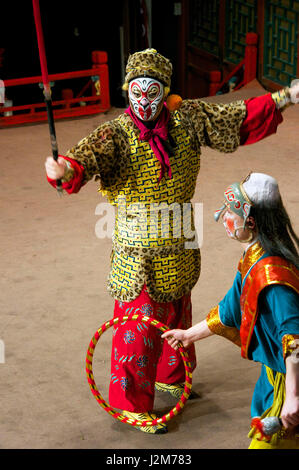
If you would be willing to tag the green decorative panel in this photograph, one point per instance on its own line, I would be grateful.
(240, 18)
(204, 25)
(280, 45)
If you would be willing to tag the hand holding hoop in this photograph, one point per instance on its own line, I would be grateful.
(90, 378)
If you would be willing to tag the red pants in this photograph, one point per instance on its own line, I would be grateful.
(139, 355)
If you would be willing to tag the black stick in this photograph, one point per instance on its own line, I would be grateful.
(53, 140)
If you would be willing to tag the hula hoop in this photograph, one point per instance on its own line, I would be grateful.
(90, 378)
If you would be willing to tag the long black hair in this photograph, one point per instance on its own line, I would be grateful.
(275, 231)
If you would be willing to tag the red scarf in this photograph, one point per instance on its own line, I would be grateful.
(155, 137)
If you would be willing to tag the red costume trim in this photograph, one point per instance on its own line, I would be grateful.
(257, 425)
(261, 121)
(74, 185)
(267, 271)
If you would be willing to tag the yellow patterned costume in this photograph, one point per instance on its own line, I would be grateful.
(129, 173)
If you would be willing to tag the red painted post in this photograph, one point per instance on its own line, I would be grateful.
(67, 94)
(214, 81)
(250, 67)
(99, 57)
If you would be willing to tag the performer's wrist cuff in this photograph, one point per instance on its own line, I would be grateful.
(290, 346)
(282, 98)
(69, 172)
(218, 328)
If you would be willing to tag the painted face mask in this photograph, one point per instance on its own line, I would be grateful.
(146, 97)
(230, 225)
(236, 199)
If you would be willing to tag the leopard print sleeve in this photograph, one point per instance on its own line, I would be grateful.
(97, 152)
(215, 125)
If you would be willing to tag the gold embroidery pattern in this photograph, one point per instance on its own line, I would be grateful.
(215, 325)
(167, 278)
(252, 255)
(265, 278)
(68, 174)
(290, 344)
(282, 98)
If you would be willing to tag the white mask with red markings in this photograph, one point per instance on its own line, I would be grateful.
(230, 223)
(146, 97)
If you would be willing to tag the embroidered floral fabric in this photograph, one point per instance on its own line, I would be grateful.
(139, 355)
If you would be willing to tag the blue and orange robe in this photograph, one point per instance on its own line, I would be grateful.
(260, 314)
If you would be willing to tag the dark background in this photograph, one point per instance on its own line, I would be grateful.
(72, 31)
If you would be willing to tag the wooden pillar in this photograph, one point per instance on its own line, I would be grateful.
(214, 81)
(250, 69)
(183, 37)
(260, 32)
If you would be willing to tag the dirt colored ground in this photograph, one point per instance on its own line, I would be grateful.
(53, 299)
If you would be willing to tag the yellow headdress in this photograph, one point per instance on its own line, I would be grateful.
(148, 63)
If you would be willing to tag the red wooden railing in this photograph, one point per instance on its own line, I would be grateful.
(249, 63)
(97, 101)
